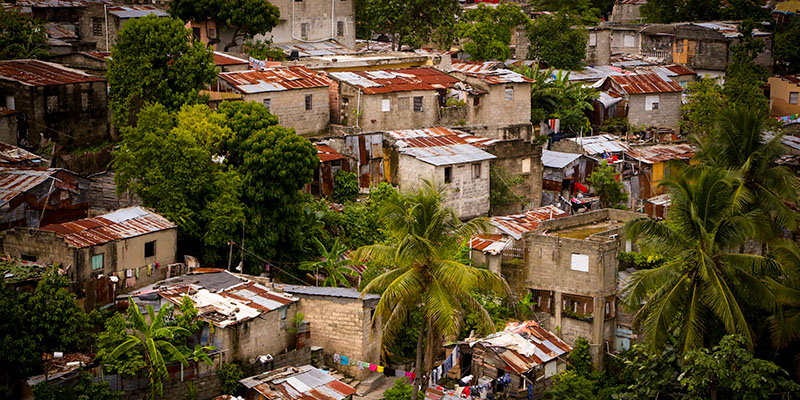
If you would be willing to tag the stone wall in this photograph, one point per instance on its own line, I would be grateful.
(519, 157)
(625, 41)
(625, 12)
(498, 114)
(668, 114)
(343, 326)
(401, 114)
(9, 127)
(267, 334)
(317, 15)
(45, 246)
(598, 52)
(290, 108)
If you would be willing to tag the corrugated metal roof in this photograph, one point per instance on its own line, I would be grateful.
(298, 383)
(121, 224)
(275, 79)
(476, 66)
(397, 80)
(447, 155)
(729, 30)
(661, 200)
(591, 73)
(517, 224)
(680, 69)
(657, 154)
(41, 73)
(59, 31)
(601, 144)
(607, 99)
(437, 136)
(645, 83)
(225, 59)
(634, 2)
(491, 72)
(524, 345)
(326, 48)
(98, 55)
(327, 153)
(348, 293)
(557, 159)
(16, 180)
(12, 154)
(125, 12)
(791, 141)
(490, 243)
(57, 3)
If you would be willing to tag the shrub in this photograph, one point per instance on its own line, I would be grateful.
(345, 186)
(401, 391)
(229, 376)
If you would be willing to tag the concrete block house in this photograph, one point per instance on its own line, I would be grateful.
(496, 101)
(784, 95)
(296, 95)
(383, 100)
(133, 244)
(651, 101)
(59, 103)
(313, 21)
(706, 47)
(443, 156)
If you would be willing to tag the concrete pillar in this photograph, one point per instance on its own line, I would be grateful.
(557, 305)
(494, 262)
(598, 342)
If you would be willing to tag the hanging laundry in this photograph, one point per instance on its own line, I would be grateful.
(137, 273)
(129, 273)
(344, 360)
(373, 367)
(365, 364)
(149, 269)
(380, 368)
(336, 358)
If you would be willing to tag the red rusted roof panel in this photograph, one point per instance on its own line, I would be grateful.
(121, 224)
(397, 80)
(275, 79)
(327, 153)
(40, 73)
(224, 59)
(645, 83)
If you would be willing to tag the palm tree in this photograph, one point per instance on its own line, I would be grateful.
(153, 340)
(739, 145)
(332, 263)
(543, 103)
(425, 272)
(704, 282)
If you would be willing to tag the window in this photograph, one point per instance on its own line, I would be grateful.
(97, 262)
(309, 102)
(592, 39)
(574, 306)
(212, 33)
(340, 28)
(651, 103)
(476, 101)
(196, 33)
(417, 103)
(386, 105)
(283, 313)
(476, 171)
(526, 166)
(509, 93)
(628, 40)
(403, 103)
(304, 30)
(268, 104)
(52, 103)
(10, 103)
(793, 97)
(579, 262)
(544, 301)
(345, 100)
(448, 174)
(150, 249)
(26, 257)
(84, 101)
(97, 26)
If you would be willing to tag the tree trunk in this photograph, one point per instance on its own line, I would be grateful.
(234, 40)
(418, 365)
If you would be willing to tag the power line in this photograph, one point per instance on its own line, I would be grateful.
(269, 262)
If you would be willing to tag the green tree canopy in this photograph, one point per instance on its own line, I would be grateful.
(488, 30)
(605, 183)
(557, 41)
(705, 102)
(786, 47)
(246, 18)
(669, 11)
(588, 11)
(744, 78)
(413, 22)
(155, 60)
(21, 36)
(332, 263)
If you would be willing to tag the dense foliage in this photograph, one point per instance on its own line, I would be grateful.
(85, 389)
(501, 190)
(704, 104)
(744, 78)
(401, 390)
(229, 376)
(588, 11)
(608, 186)
(786, 47)
(21, 36)
(246, 18)
(412, 22)
(554, 96)
(487, 30)
(345, 186)
(558, 41)
(155, 60)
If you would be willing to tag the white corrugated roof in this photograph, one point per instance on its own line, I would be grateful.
(447, 155)
(557, 159)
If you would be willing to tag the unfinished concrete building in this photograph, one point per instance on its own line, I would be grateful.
(313, 21)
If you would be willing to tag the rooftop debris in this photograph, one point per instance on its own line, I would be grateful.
(490, 72)
(15, 180)
(14, 155)
(523, 345)
(126, 12)
(493, 244)
(517, 224)
(298, 383)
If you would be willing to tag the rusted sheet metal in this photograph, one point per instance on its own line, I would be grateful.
(635, 2)
(657, 154)
(14, 155)
(58, 31)
(437, 136)
(729, 30)
(274, 79)
(476, 66)
(40, 73)
(125, 12)
(396, 80)
(680, 70)
(298, 383)
(225, 59)
(15, 181)
(517, 224)
(57, 3)
(491, 72)
(524, 345)
(645, 83)
(493, 244)
(98, 55)
(327, 153)
(326, 48)
(121, 224)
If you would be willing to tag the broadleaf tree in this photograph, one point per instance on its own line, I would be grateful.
(156, 60)
(558, 40)
(487, 30)
(246, 18)
(607, 185)
(21, 36)
(412, 22)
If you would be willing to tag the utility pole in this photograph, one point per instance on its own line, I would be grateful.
(230, 254)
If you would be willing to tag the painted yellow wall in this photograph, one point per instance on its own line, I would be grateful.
(779, 90)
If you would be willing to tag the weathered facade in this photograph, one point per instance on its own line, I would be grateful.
(103, 196)
(572, 273)
(59, 103)
(330, 162)
(563, 173)
(626, 11)
(314, 21)
(441, 156)
(384, 100)
(91, 62)
(296, 95)
(341, 323)
(10, 126)
(34, 197)
(519, 157)
(132, 244)
(783, 95)
(652, 101)
(707, 46)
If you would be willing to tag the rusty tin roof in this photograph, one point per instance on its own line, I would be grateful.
(275, 79)
(516, 225)
(645, 83)
(327, 153)
(15, 181)
(397, 80)
(41, 73)
(124, 223)
(221, 58)
(125, 12)
(657, 154)
(12, 154)
(298, 383)
(490, 243)
(524, 345)
(490, 72)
